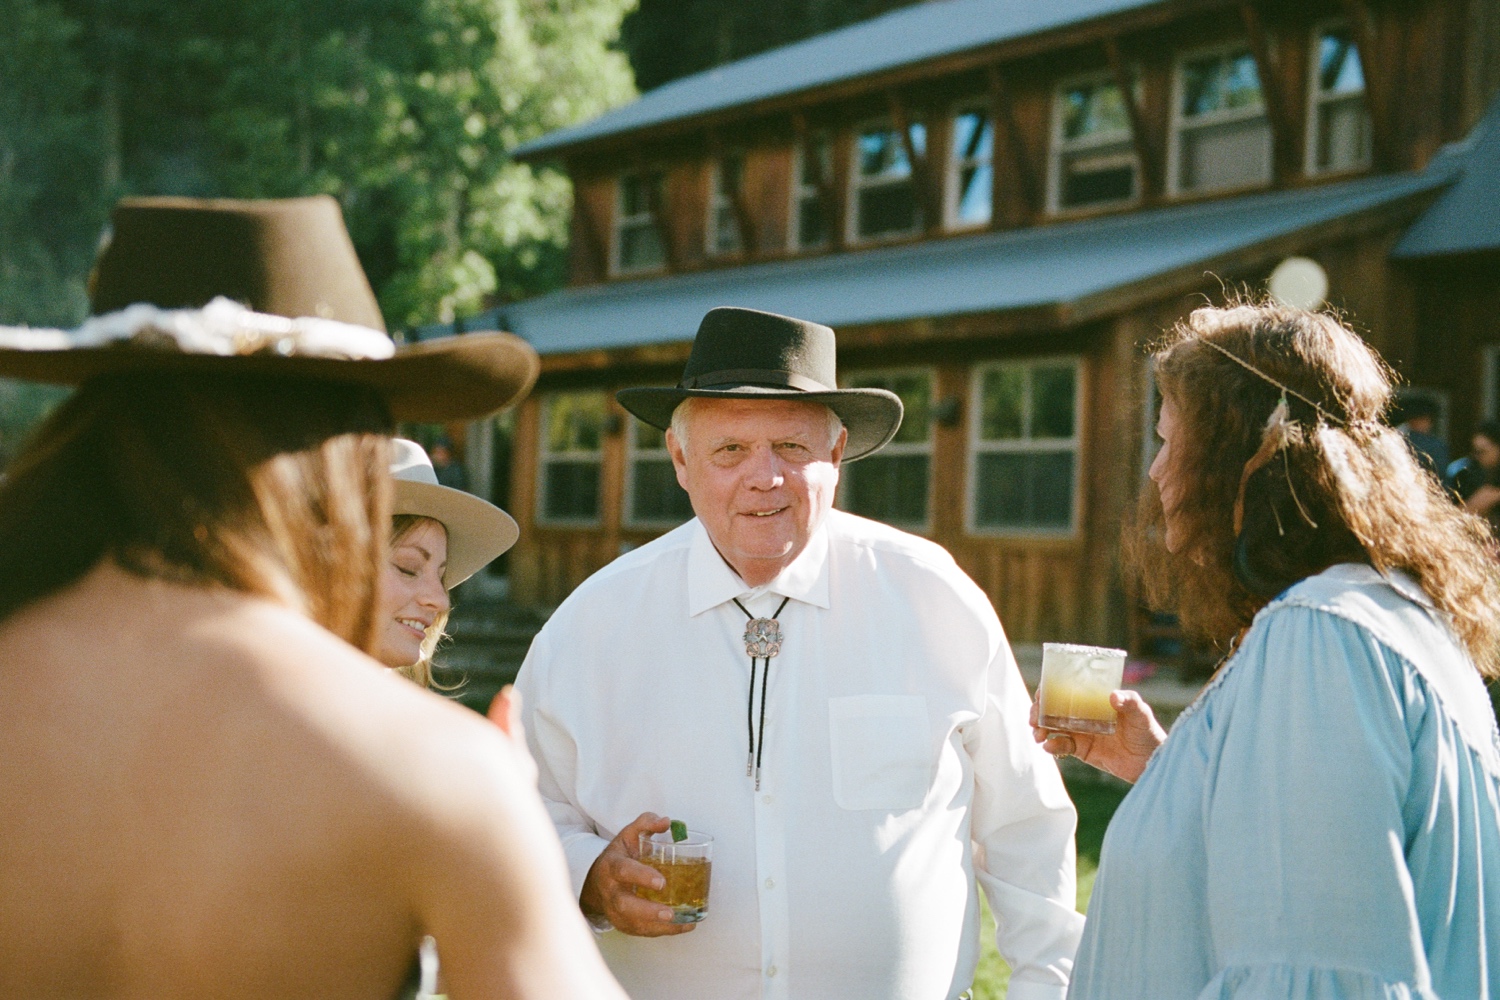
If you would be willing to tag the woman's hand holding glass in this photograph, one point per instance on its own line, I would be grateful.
(1123, 753)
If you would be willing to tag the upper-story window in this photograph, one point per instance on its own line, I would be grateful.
(638, 245)
(1024, 445)
(811, 214)
(884, 190)
(653, 497)
(723, 222)
(1094, 160)
(971, 168)
(572, 453)
(1338, 119)
(893, 485)
(1221, 138)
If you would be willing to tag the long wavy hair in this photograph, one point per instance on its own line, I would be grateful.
(276, 487)
(1342, 486)
(420, 673)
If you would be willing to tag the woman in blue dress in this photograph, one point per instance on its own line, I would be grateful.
(1324, 821)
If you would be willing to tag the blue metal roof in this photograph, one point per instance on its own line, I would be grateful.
(1466, 219)
(901, 38)
(1061, 264)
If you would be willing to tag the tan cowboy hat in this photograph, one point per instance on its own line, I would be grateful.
(272, 286)
(478, 531)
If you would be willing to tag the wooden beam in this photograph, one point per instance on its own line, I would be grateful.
(1147, 147)
(921, 174)
(1283, 124)
(1377, 82)
(826, 180)
(592, 233)
(1005, 118)
(743, 219)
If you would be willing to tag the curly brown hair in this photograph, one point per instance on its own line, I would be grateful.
(1344, 488)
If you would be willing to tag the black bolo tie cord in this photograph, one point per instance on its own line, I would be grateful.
(757, 746)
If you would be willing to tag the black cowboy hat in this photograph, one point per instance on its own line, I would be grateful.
(268, 286)
(749, 354)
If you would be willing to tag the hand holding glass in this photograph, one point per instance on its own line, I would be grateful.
(1076, 684)
(686, 866)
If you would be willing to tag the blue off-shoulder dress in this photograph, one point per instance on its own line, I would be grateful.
(1323, 822)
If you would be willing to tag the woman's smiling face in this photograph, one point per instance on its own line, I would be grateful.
(412, 592)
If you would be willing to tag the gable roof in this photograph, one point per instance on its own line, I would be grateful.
(1466, 219)
(903, 37)
(1069, 265)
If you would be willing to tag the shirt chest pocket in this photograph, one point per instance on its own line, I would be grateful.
(881, 748)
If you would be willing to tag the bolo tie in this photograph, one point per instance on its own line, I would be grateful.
(762, 641)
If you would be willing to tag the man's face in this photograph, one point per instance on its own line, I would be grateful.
(1486, 452)
(761, 475)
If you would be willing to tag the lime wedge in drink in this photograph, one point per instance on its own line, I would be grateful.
(679, 831)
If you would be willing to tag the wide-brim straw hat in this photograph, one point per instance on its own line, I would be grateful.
(271, 287)
(478, 531)
(749, 354)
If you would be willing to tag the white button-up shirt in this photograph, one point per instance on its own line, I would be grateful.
(897, 766)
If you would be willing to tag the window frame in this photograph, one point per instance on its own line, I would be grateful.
(976, 446)
(954, 164)
(1316, 100)
(1177, 123)
(633, 453)
(718, 201)
(617, 267)
(545, 457)
(896, 449)
(800, 192)
(854, 184)
(1059, 148)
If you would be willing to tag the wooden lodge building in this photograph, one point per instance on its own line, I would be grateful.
(997, 204)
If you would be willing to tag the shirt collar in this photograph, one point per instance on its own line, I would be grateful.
(711, 581)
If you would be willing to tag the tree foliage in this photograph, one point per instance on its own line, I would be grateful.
(404, 110)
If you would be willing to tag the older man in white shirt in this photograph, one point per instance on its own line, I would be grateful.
(857, 780)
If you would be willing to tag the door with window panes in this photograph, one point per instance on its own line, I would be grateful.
(571, 455)
(894, 484)
(1024, 448)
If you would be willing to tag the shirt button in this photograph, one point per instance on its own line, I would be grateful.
(771, 971)
(770, 883)
(766, 799)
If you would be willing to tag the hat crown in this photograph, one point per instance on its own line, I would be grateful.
(288, 257)
(410, 462)
(747, 346)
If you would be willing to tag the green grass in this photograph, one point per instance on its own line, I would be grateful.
(1096, 797)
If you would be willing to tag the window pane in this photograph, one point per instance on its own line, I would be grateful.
(812, 221)
(640, 246)
(1094, 109)
(1003, 392)
(1231, 154)
(575, 421)
(973, 136)
(887, 209)
(915, 390)
(1097, 176)
(976, 186)
(1219, 83)
(726, 230)
(1024, 490)
(571, 491)
(883, 154)
(1052, 393)
(1343, 139)
(648, 438)
(726, 234)
(1339, 69)
(890, 488)
(816, 162)
(655, 495)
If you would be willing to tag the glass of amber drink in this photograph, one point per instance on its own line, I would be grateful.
(1076, 684)
(686, 865)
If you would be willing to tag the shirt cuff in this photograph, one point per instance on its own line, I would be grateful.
(1036, 991)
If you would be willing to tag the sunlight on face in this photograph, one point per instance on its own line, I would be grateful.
(761, 475)
(1164, 472)
(412, 595)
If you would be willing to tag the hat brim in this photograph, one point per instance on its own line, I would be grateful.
(871, 416)
(478, 531)
(463, 377)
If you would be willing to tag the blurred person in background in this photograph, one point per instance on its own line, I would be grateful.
(440, 537)
(450, 471)
(1419, 427)
(213, 790)
(1476, 477)
(1324, 820)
